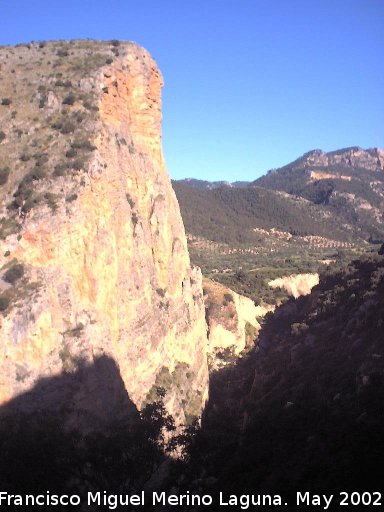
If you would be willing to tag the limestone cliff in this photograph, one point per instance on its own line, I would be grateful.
(90, 219)
(232, 323)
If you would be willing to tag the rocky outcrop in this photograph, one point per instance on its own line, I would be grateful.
(106, 271)
(296, 284)
(371, 159)
(232, 323)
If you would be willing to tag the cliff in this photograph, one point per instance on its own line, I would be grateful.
(232, 321)
(91, 229)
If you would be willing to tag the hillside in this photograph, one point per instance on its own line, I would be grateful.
(341, 194)
(348, 183)
(304, 410)
(233, 215)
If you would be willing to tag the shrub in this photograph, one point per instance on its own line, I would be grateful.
(61, 83)
(8, 226)
(6, 101)
(50, 199)
(109, 61)
(71, 198)
(36, 174)
(69, 99)
(78, 164)
(71, 153)
(2, 136)
(4, 174)
(131, 202)
(41, 159)
(76, 331)
(79, 116)
(62, 53)
(134, 218)
(60, 169)
(250, 333)
(83, 144)
(90, 106)
(4, 302)
(299, 328)
(115, 42)
(67, 127)
(14, 273)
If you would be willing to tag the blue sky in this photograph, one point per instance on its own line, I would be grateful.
(249, 84)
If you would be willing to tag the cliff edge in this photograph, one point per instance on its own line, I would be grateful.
(93, 254)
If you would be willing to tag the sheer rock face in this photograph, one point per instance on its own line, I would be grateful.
(109, 273)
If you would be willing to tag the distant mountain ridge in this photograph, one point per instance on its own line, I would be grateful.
(339, 193)
(369, 159)
(349, 183)
(209, 185)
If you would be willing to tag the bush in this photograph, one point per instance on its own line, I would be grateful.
(41, 159)
(4, 302)
(2, 136)
(70, 198)
(69, 99)
(71, 153)
(67, 127)
(14, 273)
(8, 226)
(6, 101)
(78, 164)
(60, 169)
(60, 83)
(4, 174)
(83, 144)
(30, 203)
(62, 53)
(90, 106)
(36, 174)
(50, 199)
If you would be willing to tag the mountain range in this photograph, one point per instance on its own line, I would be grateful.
(338, 195)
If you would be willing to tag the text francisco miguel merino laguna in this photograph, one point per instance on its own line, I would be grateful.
(112, 501)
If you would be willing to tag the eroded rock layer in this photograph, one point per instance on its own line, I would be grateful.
(232, 321)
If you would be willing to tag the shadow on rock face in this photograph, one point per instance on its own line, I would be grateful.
(79, 432)
(86, 399)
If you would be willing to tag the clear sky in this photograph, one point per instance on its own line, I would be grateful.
(249, 84)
